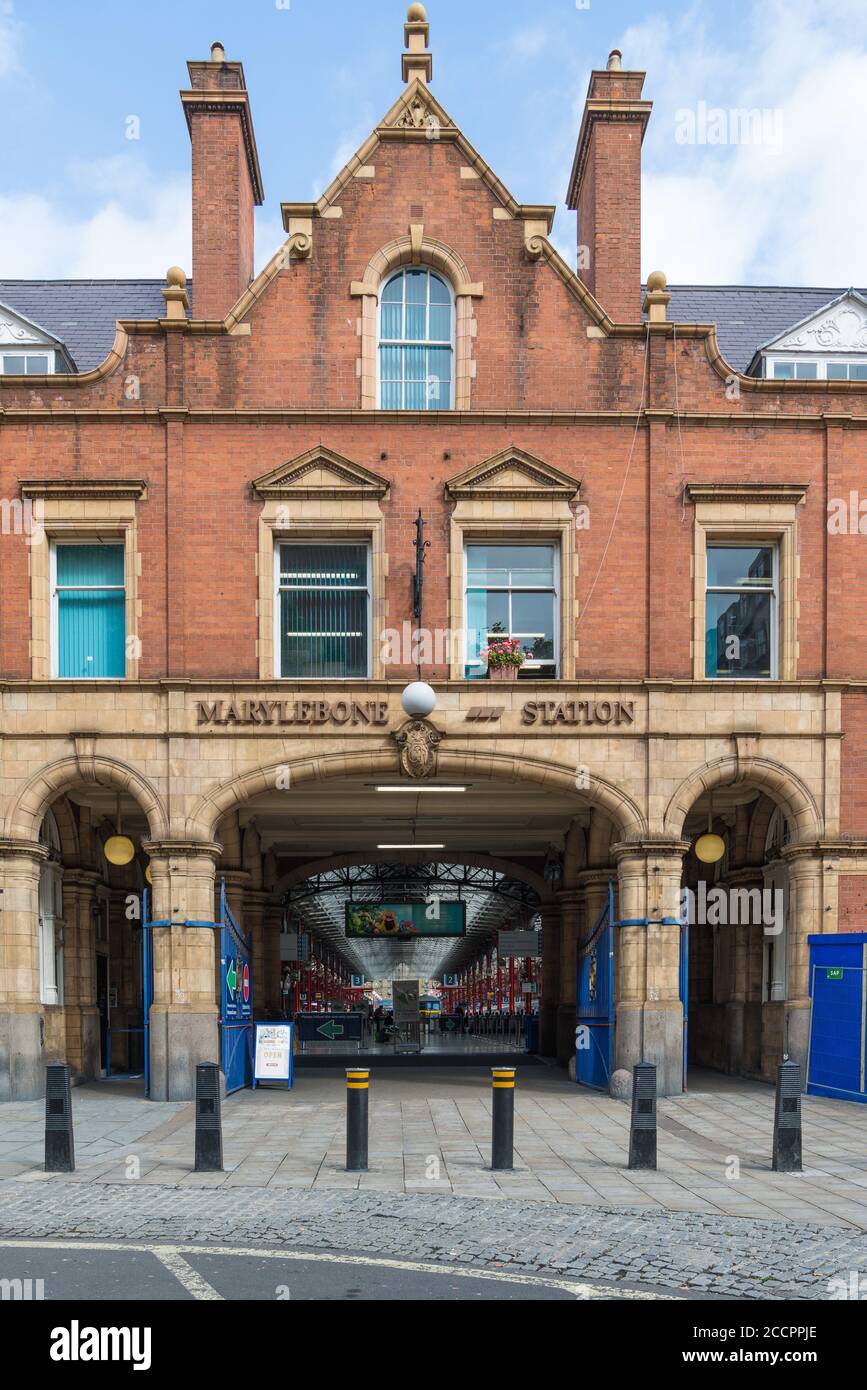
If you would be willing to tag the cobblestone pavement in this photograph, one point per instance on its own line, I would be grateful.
(688, 1252)
(430, 1133)
(712, 1219)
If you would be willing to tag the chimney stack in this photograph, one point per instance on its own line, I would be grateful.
(227, 183)
(605, 188)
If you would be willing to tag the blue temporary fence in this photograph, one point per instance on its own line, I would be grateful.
(837, 1056)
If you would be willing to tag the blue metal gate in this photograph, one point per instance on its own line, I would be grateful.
(236, 993)
(837, 1057)
(236, 1000)
(594, 1021)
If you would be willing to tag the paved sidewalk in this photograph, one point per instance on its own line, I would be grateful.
(430, 1133)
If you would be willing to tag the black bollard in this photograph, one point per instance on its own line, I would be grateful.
(503, 1118)
(787, 1119)
(357, 1084)
(642, 1129)
(59, 1141)
(209, 1127)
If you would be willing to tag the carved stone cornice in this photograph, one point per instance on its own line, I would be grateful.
(86, 489)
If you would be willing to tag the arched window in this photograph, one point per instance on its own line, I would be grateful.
(416, 342)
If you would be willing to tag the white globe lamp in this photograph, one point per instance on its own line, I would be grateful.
(418, 700)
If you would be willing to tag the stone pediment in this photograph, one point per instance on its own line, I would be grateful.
(321, 473)
(513, 474)
(417, 110)
(840, 327)
(17, 331)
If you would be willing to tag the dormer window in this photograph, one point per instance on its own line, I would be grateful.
(416, 342)
(27, 363)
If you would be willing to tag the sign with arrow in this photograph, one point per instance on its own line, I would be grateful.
(330, 1028)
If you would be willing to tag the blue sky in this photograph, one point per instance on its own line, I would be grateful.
(788, 205)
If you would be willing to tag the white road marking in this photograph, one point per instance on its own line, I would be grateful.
(184, 1273)
(189, 1278)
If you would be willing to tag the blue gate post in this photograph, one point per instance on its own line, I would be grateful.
(594, 1004)
(236, 1000)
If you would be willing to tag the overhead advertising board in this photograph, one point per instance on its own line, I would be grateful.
(405, 921)
(518, 943)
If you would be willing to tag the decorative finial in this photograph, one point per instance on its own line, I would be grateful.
(218, 53)
(615, 60)
(417, 62)
(657, 299)
(177, 300)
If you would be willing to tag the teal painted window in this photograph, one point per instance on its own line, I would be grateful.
(416, 347)
(324, 611)
(90, 611)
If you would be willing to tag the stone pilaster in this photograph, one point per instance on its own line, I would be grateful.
(550, 1001)
(255, 904)
(184, 1012)
(743, 939)
(22, 1028)
(807, 917)
(649, 1012)
(79, 959)
(570, 902)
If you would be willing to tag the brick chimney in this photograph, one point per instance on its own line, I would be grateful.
(605, 187)
(227, 183)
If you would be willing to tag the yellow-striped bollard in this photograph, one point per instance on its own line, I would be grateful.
(357, 1083)
(503, 1115)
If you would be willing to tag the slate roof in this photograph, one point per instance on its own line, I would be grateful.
(746, 317)
(83, 313)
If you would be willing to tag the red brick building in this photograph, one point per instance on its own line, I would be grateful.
(208, 559)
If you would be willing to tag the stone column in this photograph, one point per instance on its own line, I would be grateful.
(571, 905)
(22, 1028)
(271, 965)
(184, 1012)
(806, 917)
(649, 1012)
(745, 940)
(550, 1001)
(79, 961)
(255, 903)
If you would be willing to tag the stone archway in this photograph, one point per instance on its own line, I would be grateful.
(24, 815)
(237, 791)
(738, 1024)
(764, 773)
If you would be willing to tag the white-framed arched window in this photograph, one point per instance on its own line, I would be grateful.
(416, 341)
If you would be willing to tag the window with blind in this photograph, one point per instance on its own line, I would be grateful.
(416, 342)
(88, 611)
(323, 610)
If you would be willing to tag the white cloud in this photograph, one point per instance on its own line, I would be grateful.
(758, 213)
(139, 225)
(526, 44)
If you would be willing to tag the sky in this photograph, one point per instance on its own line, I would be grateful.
(778, 198)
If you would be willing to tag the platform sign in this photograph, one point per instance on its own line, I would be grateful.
(405, 994)
(450, 981)
(272, 1057)
(518, 944)
(357, 981)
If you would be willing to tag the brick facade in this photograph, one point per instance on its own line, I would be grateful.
(562, 369)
